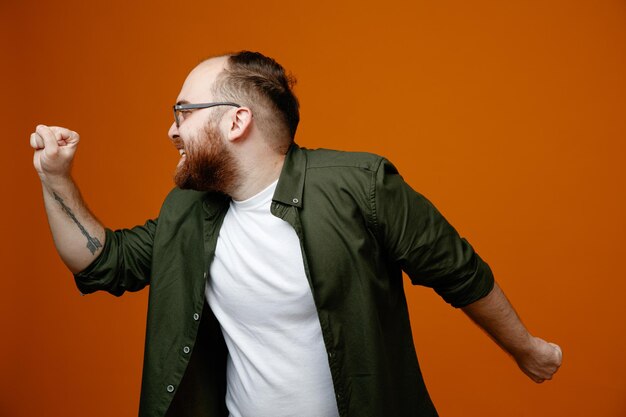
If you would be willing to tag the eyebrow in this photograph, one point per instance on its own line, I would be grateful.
(182, 102)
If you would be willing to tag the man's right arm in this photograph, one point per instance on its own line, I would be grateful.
(78, 235)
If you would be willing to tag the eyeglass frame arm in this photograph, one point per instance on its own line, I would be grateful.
(179, 107)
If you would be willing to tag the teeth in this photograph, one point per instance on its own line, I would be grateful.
(181, 152)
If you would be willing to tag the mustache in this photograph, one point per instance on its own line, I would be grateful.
(178, 143)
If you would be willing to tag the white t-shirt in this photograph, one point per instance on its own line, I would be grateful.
(277, 363)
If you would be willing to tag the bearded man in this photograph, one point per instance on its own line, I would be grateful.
(275, 272)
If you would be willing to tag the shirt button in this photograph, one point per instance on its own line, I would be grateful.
(170, 388)
(196, 316)
(186, 349)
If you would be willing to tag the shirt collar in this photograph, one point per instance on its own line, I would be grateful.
(288, 190)
(291, 181)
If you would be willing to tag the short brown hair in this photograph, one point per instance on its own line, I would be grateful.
(252, 78)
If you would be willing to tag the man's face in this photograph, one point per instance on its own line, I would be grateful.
(206, 163)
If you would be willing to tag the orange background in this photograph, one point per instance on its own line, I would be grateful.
(508, 115)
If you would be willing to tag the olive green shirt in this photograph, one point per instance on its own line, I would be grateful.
(359, 224)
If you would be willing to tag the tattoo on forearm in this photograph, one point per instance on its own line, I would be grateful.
(92, 243)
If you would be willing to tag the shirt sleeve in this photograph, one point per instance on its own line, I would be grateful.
(418, 238)
(123, 264)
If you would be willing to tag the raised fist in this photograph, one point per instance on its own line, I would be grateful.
(54, 150)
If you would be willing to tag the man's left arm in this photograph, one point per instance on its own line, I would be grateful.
(432, 253)
(494, 313)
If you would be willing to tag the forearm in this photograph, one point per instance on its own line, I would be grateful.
(536, 358)
(495, 314)
(77, 234)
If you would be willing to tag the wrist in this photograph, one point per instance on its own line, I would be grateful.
(525, 348)
(55, 182)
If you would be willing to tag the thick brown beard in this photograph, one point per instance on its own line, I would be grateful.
(209, 165)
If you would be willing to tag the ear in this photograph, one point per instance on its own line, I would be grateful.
(240, 124)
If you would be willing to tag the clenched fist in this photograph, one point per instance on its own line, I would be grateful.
(542, 361)
(54, 150)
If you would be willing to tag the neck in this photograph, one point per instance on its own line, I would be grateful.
(258, 171)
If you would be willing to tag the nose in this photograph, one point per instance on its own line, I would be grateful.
(173, 132)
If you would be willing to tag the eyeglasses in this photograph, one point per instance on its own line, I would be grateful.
(181, 109)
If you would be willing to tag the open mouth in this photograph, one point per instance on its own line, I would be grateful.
(180, 146)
